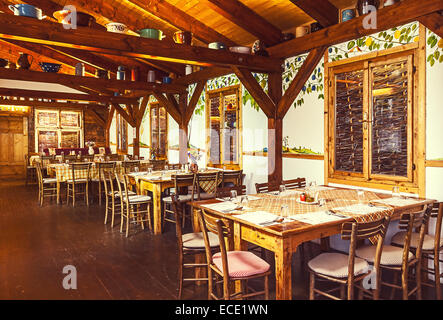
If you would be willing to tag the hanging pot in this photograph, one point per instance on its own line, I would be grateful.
(23, 61)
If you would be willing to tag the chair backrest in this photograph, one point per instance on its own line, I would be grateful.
(294, 183)
(223, 229)
(414, 221)
(174, 166)
(183, 182)
(224, 192)
(359, 231)
(114, 157)
(158, 164)
(178, 212)
(266, 187)
(80, 171)
(108, 181)
(129, 166)
(437, 213)
(235, 177)
(208, 179)
(104, 167)
(88, 157)
(38, 167)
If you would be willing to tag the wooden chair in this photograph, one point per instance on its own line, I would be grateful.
(211, 179)
(182, 184)
(294, 183)
(31, 171)
(129, 166)
(101, 168)
(399, 259)
(87, 158)
(158, 165)
(231, 178)
(225, 192)
(46, 186)
(348, 270)
(114, 157)
(431, 249)
(227, 266)
(266, 187)
(80, 180)
(133, 205)
(174, 166)
(189, 245)
(113, 200)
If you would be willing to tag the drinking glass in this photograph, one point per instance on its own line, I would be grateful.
(136, 169)
(166, 167)
(360, 196)
(149, 170)
(244, 200)
(282, 189)
(284, 210)
(396, 192)
(233, 194)
(135, 157)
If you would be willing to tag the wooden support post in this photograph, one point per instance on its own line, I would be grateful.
(108, 125)
(275, 131)
(183, 130)
(136, 141)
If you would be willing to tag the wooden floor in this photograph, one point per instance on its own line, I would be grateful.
(36, 243)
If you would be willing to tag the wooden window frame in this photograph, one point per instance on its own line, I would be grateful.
(235, 89)
(416, 128)
(120, 121)
(156, 105)
(59, 129)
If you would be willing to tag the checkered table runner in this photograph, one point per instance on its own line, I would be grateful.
(63, 172)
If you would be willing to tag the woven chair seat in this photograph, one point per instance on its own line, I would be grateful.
(181, 198)
(242, 264)
(428, 242)
(390, 256)
(196, 241)
(77, 181)
(117, 193)
(336, 265)
(138, 199)
(49, 180)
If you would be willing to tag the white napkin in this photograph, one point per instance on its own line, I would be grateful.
(224, 207)
(398, 202)
(317, 217)
(261, 218)
(360, 209)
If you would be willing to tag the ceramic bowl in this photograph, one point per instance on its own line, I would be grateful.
(83, 19)
(117, 27)
(50, 67)
(240, 49)
(217, 45)
(26, 10)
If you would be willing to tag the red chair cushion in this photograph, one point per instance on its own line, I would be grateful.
(242, 264)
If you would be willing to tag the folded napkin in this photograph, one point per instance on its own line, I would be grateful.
(222, 206)
(262, 218)
(398, 202)
(360, 208)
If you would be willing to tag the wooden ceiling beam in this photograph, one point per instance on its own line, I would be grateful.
(203, 75)
(256, 91)
(299, 81)
(170, 108)
(109, 117)
(25, 29)
(35, 94)
(182, 21)
(247, 19)
(194, 100)
(388, 17)
(323, 11)
(124, 114)
(142, 109)
(43, 104)
(89, 82)
(433, 22)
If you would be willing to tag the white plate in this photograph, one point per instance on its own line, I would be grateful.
(304, 202)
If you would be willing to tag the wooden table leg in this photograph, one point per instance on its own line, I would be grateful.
(58, 192)
(283, 268)
(157, 208)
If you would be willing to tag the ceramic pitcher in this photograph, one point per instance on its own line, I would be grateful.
(23, 61)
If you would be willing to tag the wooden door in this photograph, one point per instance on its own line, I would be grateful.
(13, 146)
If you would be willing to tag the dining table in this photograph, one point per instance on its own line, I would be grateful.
(156, 182)
(280, 222)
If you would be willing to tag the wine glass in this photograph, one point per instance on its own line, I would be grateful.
(136, 169)
(135, 157)
(244, 200)
(360, 196)
(149, 170)
(166, 167)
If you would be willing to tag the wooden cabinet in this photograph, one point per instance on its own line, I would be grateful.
(159, 131)
(223, 124)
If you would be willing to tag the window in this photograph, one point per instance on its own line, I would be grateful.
(159, 131)
(58, 129)
(371, 120)
(223, 122)
(122, 134)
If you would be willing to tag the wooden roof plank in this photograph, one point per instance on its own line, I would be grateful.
(433, 22)
(323, 11)
(247, 19)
